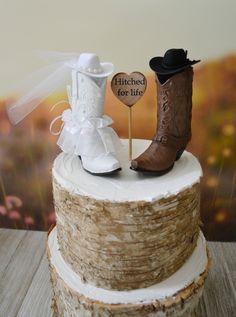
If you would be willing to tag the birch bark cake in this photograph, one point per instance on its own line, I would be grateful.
(129, 244)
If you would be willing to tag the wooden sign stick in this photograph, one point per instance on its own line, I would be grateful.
(130, 133)
(129, 89)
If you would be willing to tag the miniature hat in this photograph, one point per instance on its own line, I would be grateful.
(89, 64)
(174, 60)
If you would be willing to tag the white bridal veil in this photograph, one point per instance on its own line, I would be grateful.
(41, 84)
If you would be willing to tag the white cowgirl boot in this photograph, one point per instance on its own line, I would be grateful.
(86, 130)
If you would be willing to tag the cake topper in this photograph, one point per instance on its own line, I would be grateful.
(85, 131)
(129, 89)
(174, 77)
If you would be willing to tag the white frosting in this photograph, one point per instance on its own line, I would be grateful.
(189, 272)
(126, 185)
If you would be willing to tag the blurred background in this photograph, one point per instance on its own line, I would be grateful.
(128, 33)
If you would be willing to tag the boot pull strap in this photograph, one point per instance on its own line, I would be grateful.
(173, 141)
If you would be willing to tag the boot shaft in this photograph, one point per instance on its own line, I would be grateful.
(90, 95)
(175, 105)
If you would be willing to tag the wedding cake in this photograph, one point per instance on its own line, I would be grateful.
(127, 245)
(127, 240)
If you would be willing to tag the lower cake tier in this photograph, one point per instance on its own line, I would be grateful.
(129, 230)
(177, 296)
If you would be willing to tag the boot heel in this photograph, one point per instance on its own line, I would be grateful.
(178, 154)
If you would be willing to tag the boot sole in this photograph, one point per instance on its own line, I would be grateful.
(104, 173)
(100, 174)
(154, 173)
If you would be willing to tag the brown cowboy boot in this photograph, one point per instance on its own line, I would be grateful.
(174, 125)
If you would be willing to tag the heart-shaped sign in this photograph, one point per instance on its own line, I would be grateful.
(129, 88)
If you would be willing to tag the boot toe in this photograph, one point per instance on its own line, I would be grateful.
(134, 164)
(139, 164)
(156, 159)
(102, 165)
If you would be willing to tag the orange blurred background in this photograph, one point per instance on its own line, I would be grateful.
(28, 150)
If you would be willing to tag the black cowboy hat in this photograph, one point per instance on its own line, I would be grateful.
(174, 60)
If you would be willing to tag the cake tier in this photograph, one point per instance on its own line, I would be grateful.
(176, 296)
(129, 230)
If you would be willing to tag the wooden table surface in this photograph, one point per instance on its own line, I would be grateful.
(25, 289)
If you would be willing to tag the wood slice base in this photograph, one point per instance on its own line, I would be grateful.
(68, 302)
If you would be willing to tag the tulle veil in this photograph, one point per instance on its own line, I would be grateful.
(38, 86)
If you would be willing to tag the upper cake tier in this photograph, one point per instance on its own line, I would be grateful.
(129, 230)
